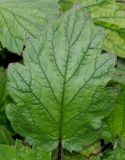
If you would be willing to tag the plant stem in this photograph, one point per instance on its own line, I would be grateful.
(59, 156)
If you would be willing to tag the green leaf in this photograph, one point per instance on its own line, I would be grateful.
(117, 154)
(66, 4)
(119, 73)
(5, 135)
(3, 80)
(60, 92)
(110, 15)
(3, 95)
(69, 156)
(21, 20)
(20, 152)
(116, 121)
(0, 49)
(92, 152)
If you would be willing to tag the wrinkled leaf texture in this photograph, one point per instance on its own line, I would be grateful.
(60, 91)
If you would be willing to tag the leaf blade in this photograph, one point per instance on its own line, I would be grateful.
(62, 107)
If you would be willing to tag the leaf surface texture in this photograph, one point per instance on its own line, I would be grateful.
(60, 90)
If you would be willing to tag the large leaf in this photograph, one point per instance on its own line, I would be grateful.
(19, 152)
(23, 19)
(60, 90)
(110, 15)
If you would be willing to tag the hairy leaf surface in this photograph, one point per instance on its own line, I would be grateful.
(20, 20)
(60, 90)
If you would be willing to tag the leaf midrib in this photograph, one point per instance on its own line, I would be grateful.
(65, 78)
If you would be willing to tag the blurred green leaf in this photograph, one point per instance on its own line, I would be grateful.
(21, 20)
(92, 152)
(118, 153)
(111, 16)
(116, 121)
(5, 134)
(20, 152)
(119, 72)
